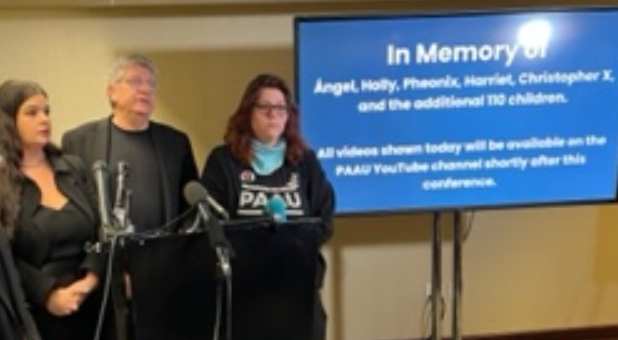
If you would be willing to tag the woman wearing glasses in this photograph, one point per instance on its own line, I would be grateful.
(265, 156)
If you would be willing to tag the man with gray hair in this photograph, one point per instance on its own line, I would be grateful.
(159, 157)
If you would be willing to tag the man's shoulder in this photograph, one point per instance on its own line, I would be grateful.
(74, 162)
(86, 128)
(167, 130)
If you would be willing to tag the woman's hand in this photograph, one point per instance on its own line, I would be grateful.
(67, 300)
(63, 301)
(86, 284)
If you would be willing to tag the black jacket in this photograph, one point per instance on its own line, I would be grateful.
(224, 176)
(33, 247)
(303, 187)
(15, 320)
(92, 142)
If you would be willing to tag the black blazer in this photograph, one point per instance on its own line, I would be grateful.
(38, 274)
(15, 320)
(92, 141)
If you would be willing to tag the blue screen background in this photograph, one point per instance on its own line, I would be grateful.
(340, 50)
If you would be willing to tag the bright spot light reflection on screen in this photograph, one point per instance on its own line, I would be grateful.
(535, 33)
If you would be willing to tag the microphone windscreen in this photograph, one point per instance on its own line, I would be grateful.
(99, 165)
(195, 192)
(276, 208)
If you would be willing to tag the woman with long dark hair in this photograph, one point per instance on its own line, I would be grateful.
(15, 320)
(57, 218)
(264, 157)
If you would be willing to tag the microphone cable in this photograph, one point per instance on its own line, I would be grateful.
(228, 280)
(217, 326)
(106, 287)
(167, 227)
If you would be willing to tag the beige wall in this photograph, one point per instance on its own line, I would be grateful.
(524, 269)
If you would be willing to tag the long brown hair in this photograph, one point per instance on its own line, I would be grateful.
(9, 173)
(13, 93)
(239, 134)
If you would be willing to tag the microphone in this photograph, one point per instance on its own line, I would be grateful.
(276, 208)
(123, 170)
(197, 195)
(101, 175)
(194, 191)
(217, 207)
(122, 203)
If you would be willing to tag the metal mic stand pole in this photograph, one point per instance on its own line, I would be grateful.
(223, 252)
(436, 279)
(457, 275)
(225, 269)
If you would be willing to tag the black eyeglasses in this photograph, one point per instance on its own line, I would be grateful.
(280, 110)
(138, 82)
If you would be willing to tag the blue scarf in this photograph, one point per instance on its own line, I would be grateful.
(267, 159)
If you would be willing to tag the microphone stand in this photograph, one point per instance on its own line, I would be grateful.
(223, 251)
(436, 279)
(115, 223)
(225, 272)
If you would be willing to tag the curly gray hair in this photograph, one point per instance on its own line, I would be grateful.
(121, 64)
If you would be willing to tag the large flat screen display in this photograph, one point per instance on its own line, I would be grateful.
(457, 111)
